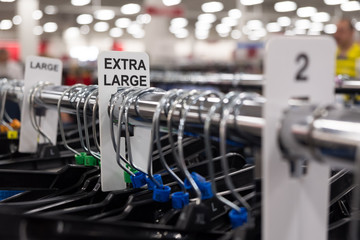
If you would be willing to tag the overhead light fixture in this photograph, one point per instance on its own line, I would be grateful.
(316, 26)
(38, 30)
(211, 7)
(357, 26)
(302, 24)
(182, 33)
(51, 9)
(84, 53)
(7, 0)
(350, 6)
(123, 22)
(201, 35)
(80, 2)
(130, 8)
(203, 25)
(207, 17)
(116, 32)
(37, 14)
(236, 34)
(235, 13)
(222, 28)
(254, 24)
(285, 6)
(289, 33)
(50, 27)
(17, 20)
(320, 17)
(84, 29)
(300, 31)
(104, 14)
(6, 24)
(84, 19)
(251, 2)
(334, 2)
(171, 2)
(306, 11)
(179, 22)
(330, 28)
(134, 28)
(313, 33)
(273, 27)
(143, 18)
(101, 26)
(71, 33)
(284, 21)
(229, 21)
(139, 34)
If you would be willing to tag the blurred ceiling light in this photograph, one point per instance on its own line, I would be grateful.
(203, 25)
(50, 27)
(84, 29)
(139, 34)
(143, 18)
(130, 8)
(284, 21)
(226, 34)
(285, 6)
(254, 24)
(316, 27)
(134, 28)
(350, 6)
(201, 36)
(71, 33)
(306, 11)
(313, 33)
(300, 31)
(330, 28)
(261, 32)
(222, 28)
(51, 9)
(6, 24)
(38, 30)
(116, 32)
(211, 7)
(207, 17)
(104, 14)
(179, 22)
(273, 27)
(171, 2)
(123, 22)
(84, 53)
(320, 17)
(236, 34)
(182, 33)
(302, 24)
(251, 2)
(334, 2)
(357, 26)
(229, 21)
(235, 13)
(84, 19)
(17, 20)
(101, 26)
(7, 0)
(253, 37)
(37, 14)
(245, 30)
(80, 2)
(289, 33)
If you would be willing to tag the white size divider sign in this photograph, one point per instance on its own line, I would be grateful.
(294, 208)
(38, 69)
(119, 69)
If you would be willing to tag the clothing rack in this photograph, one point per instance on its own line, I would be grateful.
(337, 130)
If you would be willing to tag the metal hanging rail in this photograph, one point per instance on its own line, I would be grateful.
(332, 136)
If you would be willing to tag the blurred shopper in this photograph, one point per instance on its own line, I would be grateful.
(348, 52)
(9, 68)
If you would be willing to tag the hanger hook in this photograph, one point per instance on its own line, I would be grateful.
(62, 132)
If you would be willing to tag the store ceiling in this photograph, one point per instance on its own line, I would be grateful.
(67, 13)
